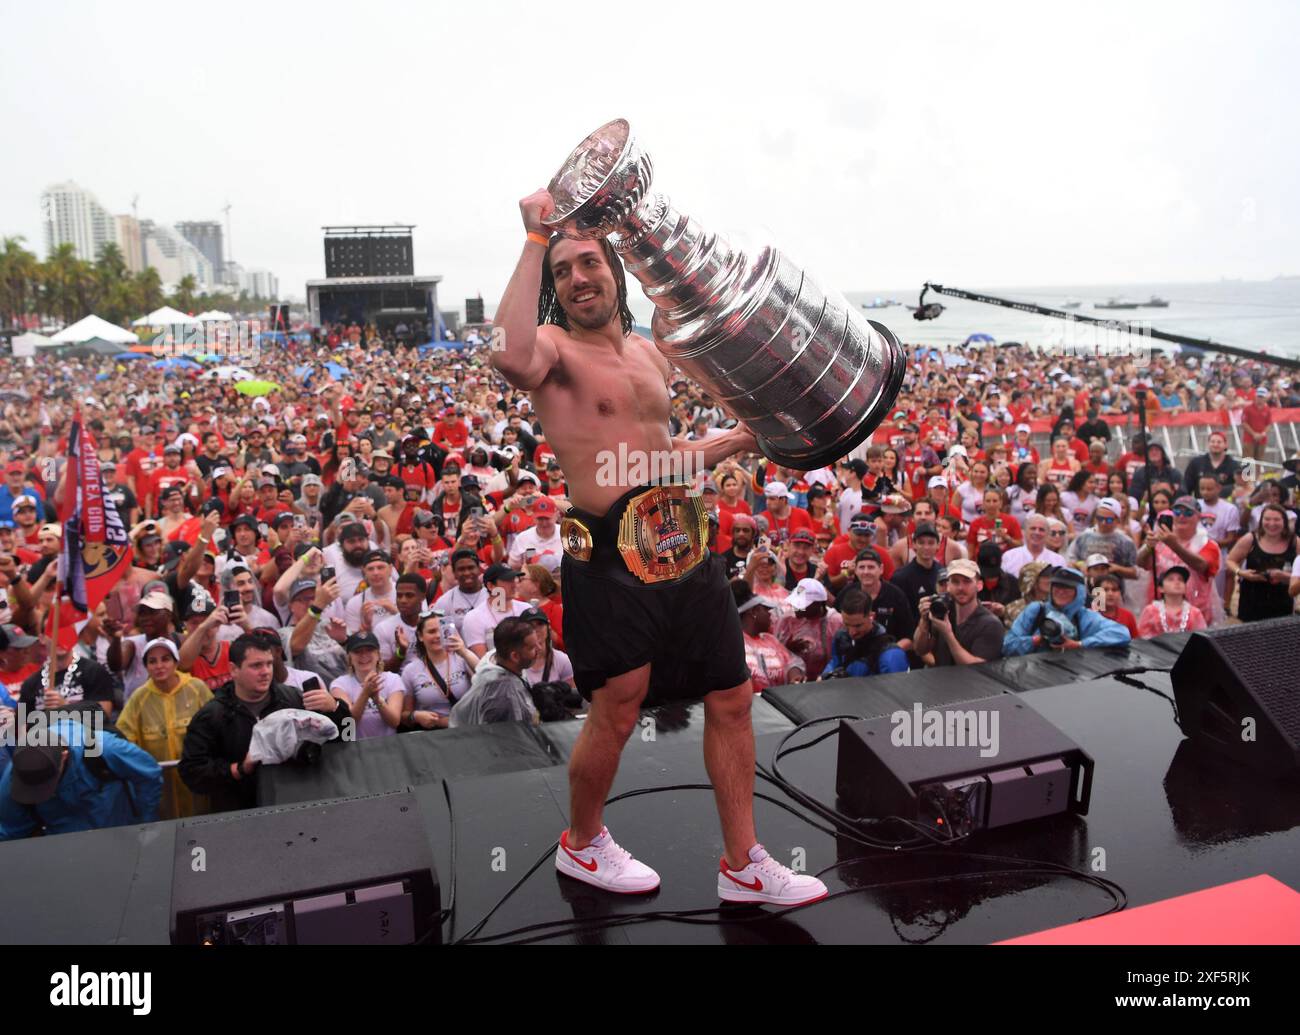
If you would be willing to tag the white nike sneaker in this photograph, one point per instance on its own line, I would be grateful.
(605, 865)
(766, 880)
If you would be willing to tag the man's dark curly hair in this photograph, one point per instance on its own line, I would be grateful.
(549, 309)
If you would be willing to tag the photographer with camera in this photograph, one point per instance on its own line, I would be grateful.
(862, 647)
(955, 628)
(1063, 621)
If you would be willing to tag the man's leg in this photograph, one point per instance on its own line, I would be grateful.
(729, 759)
(594, 761)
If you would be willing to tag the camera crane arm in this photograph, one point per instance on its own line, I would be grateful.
(931, 310)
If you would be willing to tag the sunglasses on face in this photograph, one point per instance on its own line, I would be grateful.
(1184, 512)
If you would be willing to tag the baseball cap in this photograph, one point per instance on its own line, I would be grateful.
(25, 500)
(858, 467)
(18, 468)
(245, 519)
(302, 586)
(544, 506)
(376, 555)
(966, 568)
(709, 485)
(1261, 392)
(497, 572)
(803, 536)
(311, 479)
(1024, 427)
(201, 604)
(361, 641)
(806, 592)
(1095, 559)
(925, 529)
(161, 641)
(861, 524)
(36, 772)
(743, 521)
(156, 601)
(353, 530)
(534, 614)
(937, 482)
(776, 490)
(1175, 569)
(989, 559)
(1111, 504)
(1188, 502)
(756, 601)
(1066, 576)
(528, 476)
(12, 637)
(895, 504)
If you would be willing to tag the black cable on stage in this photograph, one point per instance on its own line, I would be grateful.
(845, 826)
(576, 925)
(618, 797)
(449, 912)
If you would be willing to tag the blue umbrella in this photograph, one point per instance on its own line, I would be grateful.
(336, 369)
(126, 356)
(175, 364)
(303, 373)
(979, 338)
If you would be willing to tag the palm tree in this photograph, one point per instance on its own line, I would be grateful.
(19, 280)
(60, 277)
(183, 297)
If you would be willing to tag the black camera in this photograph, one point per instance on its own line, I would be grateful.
(1051, 631)
(941, 606)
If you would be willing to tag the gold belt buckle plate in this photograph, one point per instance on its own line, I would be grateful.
(576, 539)
(663, 534)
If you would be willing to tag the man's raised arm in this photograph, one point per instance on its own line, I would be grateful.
(520, 350)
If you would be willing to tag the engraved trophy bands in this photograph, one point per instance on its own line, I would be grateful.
(805, 371)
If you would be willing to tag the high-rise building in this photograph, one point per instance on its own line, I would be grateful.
(72, 215)
(174, 257)
(208, 238)
(235, 277)
(263, 284)
(129, 240)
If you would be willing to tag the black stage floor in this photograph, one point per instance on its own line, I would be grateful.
(1163, 821)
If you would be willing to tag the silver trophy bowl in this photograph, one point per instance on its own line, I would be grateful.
(809, 375)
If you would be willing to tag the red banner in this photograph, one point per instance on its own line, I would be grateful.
(96, 549)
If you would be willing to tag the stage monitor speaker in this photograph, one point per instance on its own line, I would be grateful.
(474, 310)
(357, 871)
(1238, 691)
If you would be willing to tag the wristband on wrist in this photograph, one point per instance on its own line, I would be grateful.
(314, 611)
(537, 238)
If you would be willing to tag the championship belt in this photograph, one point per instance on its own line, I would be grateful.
(663, 533)
(576, 539)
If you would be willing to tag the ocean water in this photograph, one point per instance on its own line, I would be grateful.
(1256, 315)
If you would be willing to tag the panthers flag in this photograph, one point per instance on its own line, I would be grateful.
(96, 549)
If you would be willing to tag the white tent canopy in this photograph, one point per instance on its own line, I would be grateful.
(93, 327)
(27, 344)
(214, 316)
(164, 317)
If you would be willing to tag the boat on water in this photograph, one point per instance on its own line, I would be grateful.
(1156, 302)
(881, 303)
(1114, 303)
(1071, 303)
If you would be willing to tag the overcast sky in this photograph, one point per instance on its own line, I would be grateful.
(880, 145)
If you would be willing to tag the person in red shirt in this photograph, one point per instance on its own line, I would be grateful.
(840, 556)
(450, 432)
(782, 519)
(268, 500)
(1113, 587)
(1255, 420)
(994, 524)
(142, 461)
(1022, 450)
(1096, 463)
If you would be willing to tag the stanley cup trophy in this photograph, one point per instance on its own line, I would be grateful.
(808, 374)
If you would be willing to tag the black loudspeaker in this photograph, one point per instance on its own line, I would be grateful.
(357, 871)
(1238, 691)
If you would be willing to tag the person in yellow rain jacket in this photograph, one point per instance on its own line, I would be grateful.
(156, 717)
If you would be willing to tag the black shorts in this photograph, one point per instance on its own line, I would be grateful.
(687, 630)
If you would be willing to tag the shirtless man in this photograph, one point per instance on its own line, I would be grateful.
(596, 386)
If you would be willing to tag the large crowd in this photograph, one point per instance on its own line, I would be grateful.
(381, 546)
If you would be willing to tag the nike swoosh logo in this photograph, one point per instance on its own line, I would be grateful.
(590, 867)
(756, 886)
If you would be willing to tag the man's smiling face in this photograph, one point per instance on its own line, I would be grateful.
(584, 283)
